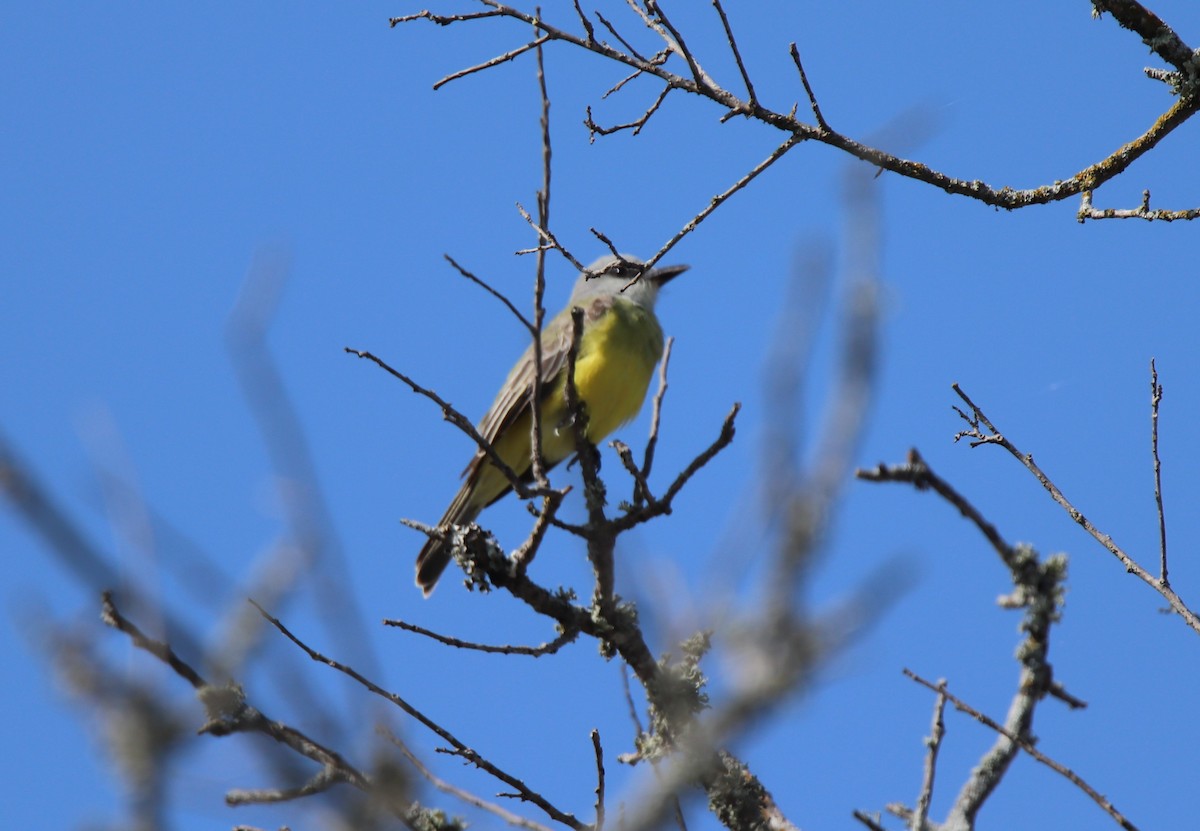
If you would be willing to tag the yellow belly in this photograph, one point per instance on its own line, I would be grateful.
(617, 355)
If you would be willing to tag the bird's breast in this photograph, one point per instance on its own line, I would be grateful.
(617, 355)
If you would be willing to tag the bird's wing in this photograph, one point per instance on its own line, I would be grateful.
(513, 399)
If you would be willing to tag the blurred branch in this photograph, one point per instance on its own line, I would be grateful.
(458, 748)
(228, 713)
(312, 545)
(65, 539)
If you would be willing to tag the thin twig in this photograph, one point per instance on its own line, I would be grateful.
(674, 40)
(933, 745)
(492, 291)
(496, 61)
(656, 409)
(993, 436)
(538, 463)
(459, 748)
(548, 648)
(737, 55)
(1027, 746)
(641, 488)
(229, 713)
(869, 821)
(548, 240)
(634, 126)
(613, 31)
(583, 21)
(812, 97)
(457, 792)
(523, 556)
(720, 198)
(663, 505)
(1156, 394)
(1129, 14)
(159, 649)
(599, 752)
(449, 413)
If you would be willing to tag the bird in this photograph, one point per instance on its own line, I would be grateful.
(620, 344)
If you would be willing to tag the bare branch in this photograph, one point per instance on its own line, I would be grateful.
(1027, 746)
(1157, 35)
(1156, 393)
(548, 648)
(635, 126)
(812, 97)
(752, 99)
(538, 463)
(458, 748)
(111, 616)
(663, 505)
(720, 198)
(933, 745)
(457, 792)
(1130, 14)
(599, 751)
(493, 292)
(990, 435)
(496, 61)
(449, 413)
(1086, 211)
(229, 713)
(656, 410)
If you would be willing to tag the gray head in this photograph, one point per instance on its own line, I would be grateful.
(610, 274)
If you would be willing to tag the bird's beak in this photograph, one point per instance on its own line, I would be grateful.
(661, 276)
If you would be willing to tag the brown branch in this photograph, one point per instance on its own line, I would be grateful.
(656, 410)
(918, 474)
(1129, 14)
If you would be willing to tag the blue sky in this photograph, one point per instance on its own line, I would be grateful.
(153, 155)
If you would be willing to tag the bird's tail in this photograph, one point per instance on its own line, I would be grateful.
(435, 554)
